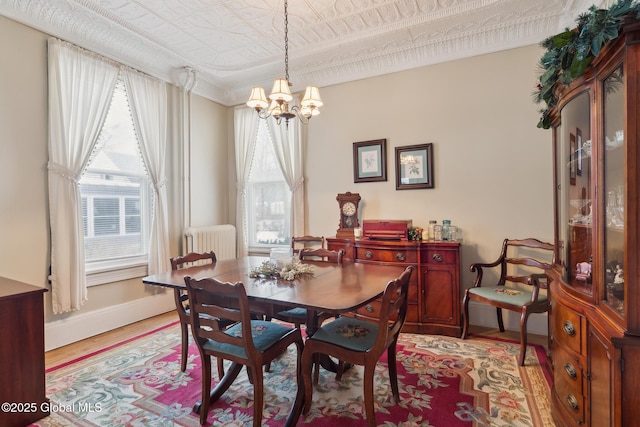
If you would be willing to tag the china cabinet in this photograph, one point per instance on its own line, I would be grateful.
(434, 290)
(595, 290)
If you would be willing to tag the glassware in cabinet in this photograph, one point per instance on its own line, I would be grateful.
(574, 180)
(613, 149)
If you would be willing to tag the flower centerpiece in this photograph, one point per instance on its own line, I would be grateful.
(570, 53)
(288, 272)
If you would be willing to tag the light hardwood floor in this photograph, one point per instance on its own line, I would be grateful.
(69, 352)
(72, 351)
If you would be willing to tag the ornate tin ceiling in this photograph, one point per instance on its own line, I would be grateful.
(236, 44)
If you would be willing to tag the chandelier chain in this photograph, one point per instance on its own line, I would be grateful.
(286, 42)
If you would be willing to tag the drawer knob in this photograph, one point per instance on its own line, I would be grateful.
(368, 254)
(400, 256)
(369, 308)
(437, 257)
(568, 328)
(570, 370)
(572, 401)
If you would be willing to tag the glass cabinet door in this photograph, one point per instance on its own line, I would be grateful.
(573, 145)
(613, 149)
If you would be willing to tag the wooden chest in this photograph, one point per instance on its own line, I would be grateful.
(383, 229)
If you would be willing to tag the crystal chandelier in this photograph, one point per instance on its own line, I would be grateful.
(280, 95)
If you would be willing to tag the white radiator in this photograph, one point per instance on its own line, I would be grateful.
(218, 238)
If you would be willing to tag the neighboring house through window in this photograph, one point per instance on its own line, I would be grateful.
(116, 200)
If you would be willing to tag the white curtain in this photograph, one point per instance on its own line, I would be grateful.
(148, 103)
(246, 134)
(80, 88)
(287, 143)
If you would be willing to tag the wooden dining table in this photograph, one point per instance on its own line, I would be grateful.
(329, 288)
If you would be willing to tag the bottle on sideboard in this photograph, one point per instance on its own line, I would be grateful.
(432, 230)
(437, 233)
(453, 233)
(446, 224)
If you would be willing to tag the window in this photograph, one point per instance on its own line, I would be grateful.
(268, 197)
(116, 200)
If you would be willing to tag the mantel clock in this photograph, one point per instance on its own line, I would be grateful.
(349, 204)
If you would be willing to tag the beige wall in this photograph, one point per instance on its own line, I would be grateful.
(209, 152)
(24, 230)
(493, 167)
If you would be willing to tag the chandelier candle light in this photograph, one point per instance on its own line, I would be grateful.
(281, 95)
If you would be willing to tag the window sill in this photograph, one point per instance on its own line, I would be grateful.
(264, 250)
(116, 274)
(259, 251)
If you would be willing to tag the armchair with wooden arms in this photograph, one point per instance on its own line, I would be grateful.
(522, 265)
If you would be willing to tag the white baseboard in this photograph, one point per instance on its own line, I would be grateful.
(485, 315)
(62, 332)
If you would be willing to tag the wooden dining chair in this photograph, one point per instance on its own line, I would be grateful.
(321, 254)
(362, 342)
(182, 302)
(521, 268)
(303, 242)
(250, 343)
(298, 315)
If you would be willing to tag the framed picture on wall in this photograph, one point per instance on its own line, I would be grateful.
(370, 161)
(414, 167)
(573, 161)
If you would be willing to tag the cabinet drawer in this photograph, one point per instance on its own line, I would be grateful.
(439, 257)
(572, 405)
(568, 385)
(567, 327)
(567, 373)
(387, 255)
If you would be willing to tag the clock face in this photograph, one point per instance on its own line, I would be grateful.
(349, 209)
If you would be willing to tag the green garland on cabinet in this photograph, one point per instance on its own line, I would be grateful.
(569, 53)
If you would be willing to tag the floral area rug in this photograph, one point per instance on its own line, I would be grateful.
(443, 381)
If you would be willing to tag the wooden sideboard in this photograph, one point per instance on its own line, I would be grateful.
(22, 379)
(434, 295)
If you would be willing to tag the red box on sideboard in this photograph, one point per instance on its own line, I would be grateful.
(386, 229)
